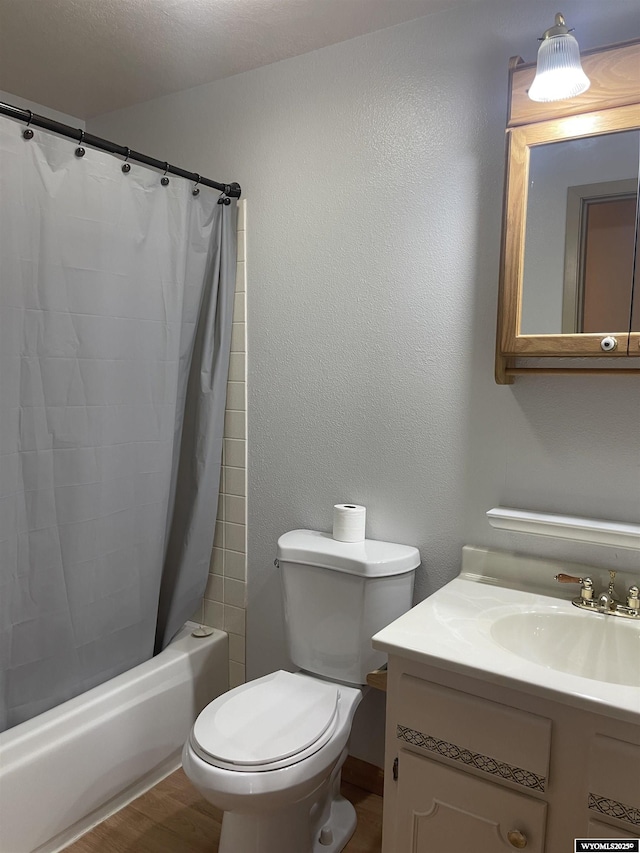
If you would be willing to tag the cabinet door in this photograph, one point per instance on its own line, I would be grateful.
(597, 829)
(614, 782)
(441, 810)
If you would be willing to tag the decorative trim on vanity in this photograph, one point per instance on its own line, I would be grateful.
(485, 763)
(614, 808)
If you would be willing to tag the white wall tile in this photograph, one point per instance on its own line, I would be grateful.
(214, 614)
(235, 509)
(216, 564)
(235, 565)
(235, 455)
(235, 481)
(236, 396)
(242, 214)
(235, 424)
(237, 648)
(235, 537)
(234, 592)
(234, 619)
(238, 337)
(214, 590)
(240, 277)
(241, 245)
(239, 302)
(237, 367)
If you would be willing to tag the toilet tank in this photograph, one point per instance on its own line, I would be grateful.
(337, 595)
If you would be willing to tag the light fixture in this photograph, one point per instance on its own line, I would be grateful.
(559, 74)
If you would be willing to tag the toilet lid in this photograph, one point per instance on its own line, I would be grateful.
(266, 720)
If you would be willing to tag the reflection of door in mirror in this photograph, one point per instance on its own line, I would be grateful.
(599, 250)
(554, 168)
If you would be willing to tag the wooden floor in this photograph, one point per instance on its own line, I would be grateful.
(173, 818)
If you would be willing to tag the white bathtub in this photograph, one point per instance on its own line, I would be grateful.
(69, 768)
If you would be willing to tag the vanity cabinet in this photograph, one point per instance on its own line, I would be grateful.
(475, 766)
(440, 809)
(568, 297)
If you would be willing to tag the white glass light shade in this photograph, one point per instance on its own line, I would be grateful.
(559, 74)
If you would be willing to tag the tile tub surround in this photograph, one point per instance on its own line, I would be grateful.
(224, 599)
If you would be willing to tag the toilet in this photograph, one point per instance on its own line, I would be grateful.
(269, 753)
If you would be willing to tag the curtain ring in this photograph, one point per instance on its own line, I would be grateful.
(195, 190)
(164, 180)
(80, 151)
(126, 166)
(27, 133)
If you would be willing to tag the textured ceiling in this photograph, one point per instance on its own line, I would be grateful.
(88, 57)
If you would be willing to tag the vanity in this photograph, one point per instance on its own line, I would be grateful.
(513, 717)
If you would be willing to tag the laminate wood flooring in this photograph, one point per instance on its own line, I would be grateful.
(174, 818)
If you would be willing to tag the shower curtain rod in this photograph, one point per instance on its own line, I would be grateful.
(232, 190)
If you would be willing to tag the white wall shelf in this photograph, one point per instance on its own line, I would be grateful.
(592, 530)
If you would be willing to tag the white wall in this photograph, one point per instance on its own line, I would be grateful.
(56, 115)
(373, 171)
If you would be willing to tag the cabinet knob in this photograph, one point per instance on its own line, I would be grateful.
(608, 344)
(517, 839)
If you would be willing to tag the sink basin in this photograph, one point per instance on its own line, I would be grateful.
(501, 621)
(595, 646)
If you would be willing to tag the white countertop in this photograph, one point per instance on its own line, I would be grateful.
(451, 630)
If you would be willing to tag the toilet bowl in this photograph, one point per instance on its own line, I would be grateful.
(269, 753)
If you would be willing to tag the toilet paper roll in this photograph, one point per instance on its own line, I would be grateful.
(349, 522)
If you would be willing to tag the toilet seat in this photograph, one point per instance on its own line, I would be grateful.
(269, 723)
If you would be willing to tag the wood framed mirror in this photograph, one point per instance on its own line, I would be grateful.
(569, 257)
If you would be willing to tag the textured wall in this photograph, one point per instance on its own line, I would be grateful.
(23, 103)
(374, 171)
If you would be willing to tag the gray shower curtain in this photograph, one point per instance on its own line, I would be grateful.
(116, 300)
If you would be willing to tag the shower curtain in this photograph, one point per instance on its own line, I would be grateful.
(116, 300)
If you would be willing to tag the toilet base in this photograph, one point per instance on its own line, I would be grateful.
(341, 825)
(320, 823)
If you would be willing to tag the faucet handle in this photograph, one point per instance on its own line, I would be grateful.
(633, 599)
(586, 593)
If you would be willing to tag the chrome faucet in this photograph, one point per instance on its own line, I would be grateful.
(607, 602)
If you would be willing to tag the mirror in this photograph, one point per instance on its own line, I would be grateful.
(580, 235)
(570, 223)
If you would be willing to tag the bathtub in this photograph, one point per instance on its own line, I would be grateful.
(66, 770)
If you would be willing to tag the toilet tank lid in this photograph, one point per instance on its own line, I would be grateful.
(370, 558)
